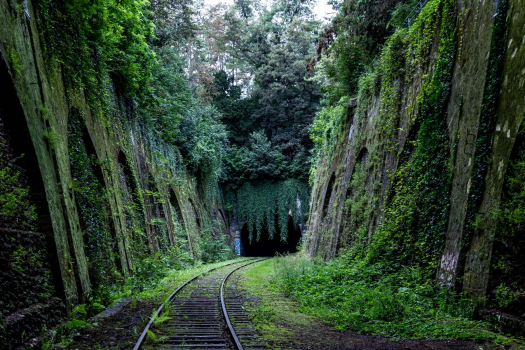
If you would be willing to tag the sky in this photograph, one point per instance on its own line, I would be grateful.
(321, 10)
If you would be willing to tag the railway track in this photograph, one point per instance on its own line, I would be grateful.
(203, 313)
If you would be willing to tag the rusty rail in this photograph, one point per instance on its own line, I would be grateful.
(236, 340)
(172, 296)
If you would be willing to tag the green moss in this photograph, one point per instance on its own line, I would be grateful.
(91, 200)
(15, 206)
(484, 141)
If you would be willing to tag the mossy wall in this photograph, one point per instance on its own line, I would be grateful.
(414, 170)
(113, 191)
(27, 255)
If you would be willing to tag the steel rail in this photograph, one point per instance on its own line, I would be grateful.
(170, 299)
(230, 327)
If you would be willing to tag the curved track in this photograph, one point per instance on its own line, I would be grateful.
(239, 325)
(203, 314)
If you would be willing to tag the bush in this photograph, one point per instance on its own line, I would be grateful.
(372, 299)
(214, 249)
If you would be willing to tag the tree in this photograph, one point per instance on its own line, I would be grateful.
(236, 110)
(288, 102)
(277, 44)
(174, 21)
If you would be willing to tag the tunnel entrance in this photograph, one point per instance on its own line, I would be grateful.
(269, 247)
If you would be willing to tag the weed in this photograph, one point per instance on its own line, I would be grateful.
(163, 317)
(152, 337)
(365, 298)
(264, 313)
(53, 139)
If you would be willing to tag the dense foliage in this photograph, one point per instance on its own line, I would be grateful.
(215, 97)
(264, 203)
(16, 208)
(351, 295)
(14, 204)
(266, 104)
(133, 43)
(416, 218)
(400, 61)
(508, 284)
(350, 45)
(415, 214)
(240, 99)
(92, 204)
(130, 61)
(276, 44)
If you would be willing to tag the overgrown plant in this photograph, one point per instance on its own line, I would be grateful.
(350, 294)
(269, 204)
(15, 206)
(91, 200)
(416, 210)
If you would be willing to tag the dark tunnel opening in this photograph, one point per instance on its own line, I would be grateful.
(269, 247)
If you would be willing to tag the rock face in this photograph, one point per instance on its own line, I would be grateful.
(83, 196)
(464, 101)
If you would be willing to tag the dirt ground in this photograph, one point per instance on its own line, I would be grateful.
(119, 332)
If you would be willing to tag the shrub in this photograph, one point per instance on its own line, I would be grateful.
(371, 298)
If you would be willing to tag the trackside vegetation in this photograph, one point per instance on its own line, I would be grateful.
(348, 294)
(143, 142)
(156, 280)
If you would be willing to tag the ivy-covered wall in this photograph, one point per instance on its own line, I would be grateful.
(111, 192)
(411, 170)
(27, 255)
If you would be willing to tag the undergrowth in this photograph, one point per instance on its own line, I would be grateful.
(372, 299)
(155, 279)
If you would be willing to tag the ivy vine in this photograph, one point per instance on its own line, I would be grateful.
(266, 204)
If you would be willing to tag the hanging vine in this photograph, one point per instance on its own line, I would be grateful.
(266, 204)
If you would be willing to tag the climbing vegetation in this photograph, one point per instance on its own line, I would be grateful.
(391, 238)
(91, 200)
(415, 215)
(94, 38)
(416, 218)
(270, 204)
(130, 61)
(508, 283)
(127, 49)
(484, 141)
(14, 204)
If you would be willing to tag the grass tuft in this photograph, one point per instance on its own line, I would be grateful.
(370, 299)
